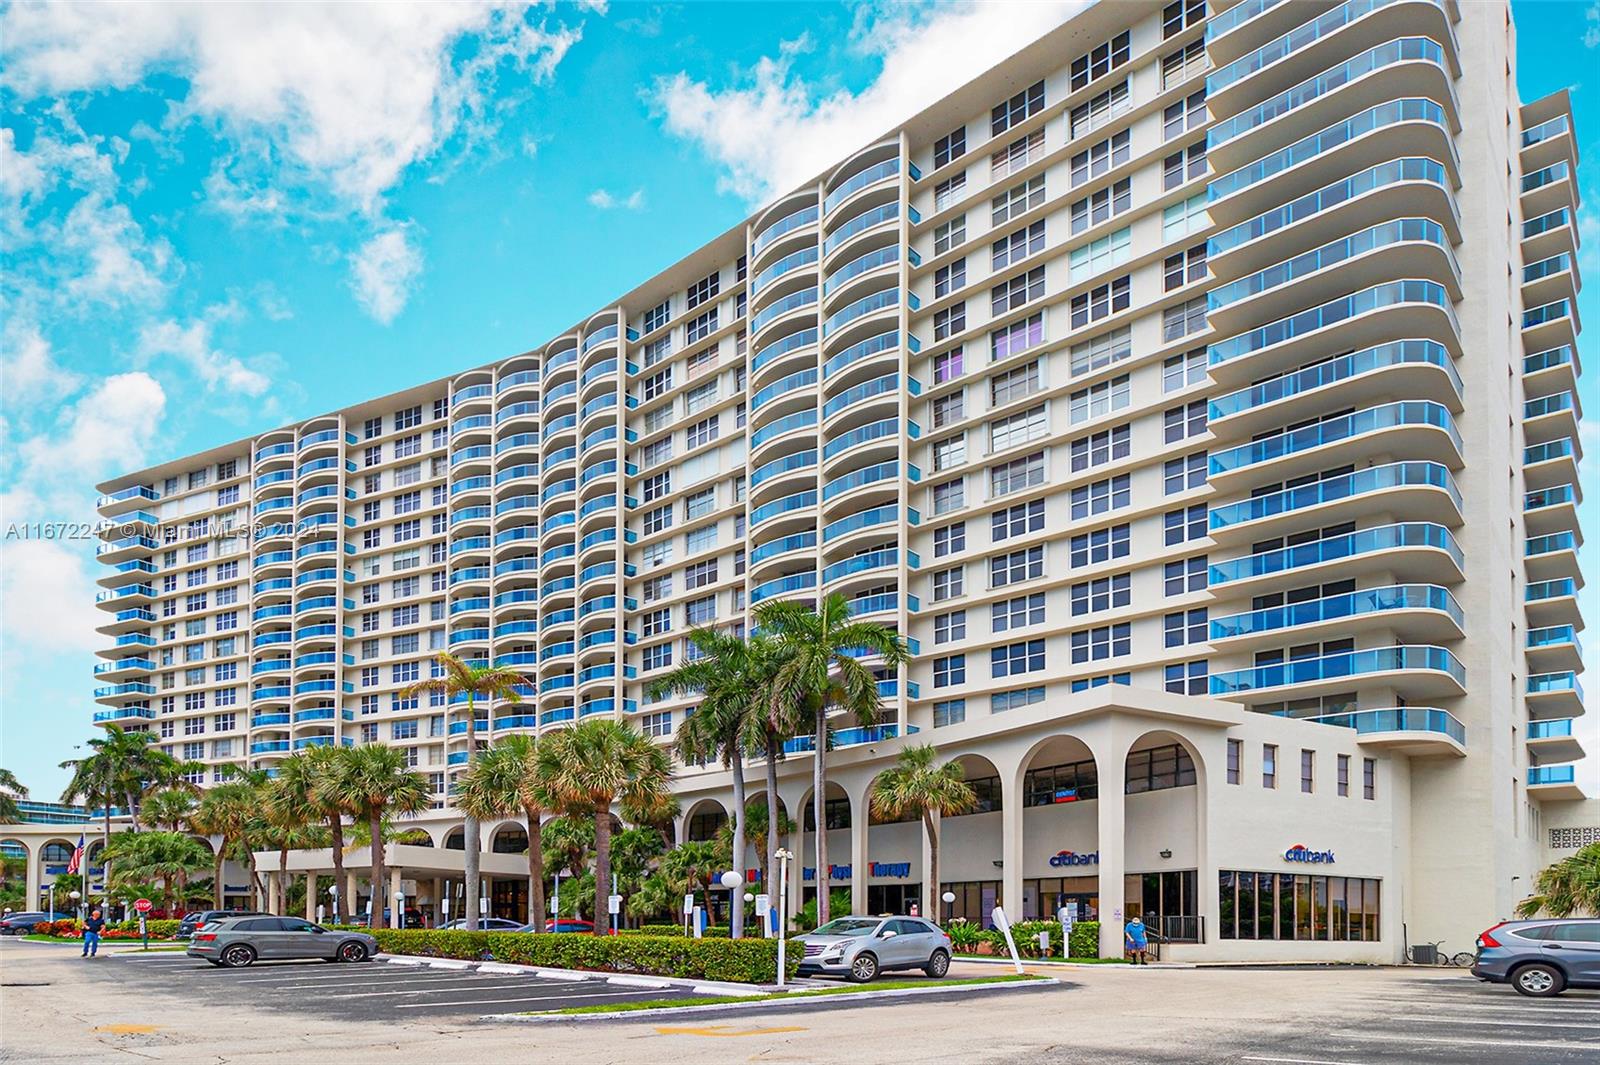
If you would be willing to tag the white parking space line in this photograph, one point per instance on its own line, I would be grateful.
(1592, 1026)
(1304, 1061)
(305, 982)
(1521, 1044)
(429, 990)
(523, 998)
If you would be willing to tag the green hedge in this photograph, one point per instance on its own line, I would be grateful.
(1085, 939)
(749, 961)
(158, 929)
(712, 930)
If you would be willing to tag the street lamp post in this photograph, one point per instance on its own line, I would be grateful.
(783, 857)
(949, 898)
(333, 893)
(731, 881)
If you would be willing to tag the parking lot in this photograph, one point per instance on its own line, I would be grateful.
(366, 991)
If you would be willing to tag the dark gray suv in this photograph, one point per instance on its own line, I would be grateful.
(238, 941)
(1540, 957)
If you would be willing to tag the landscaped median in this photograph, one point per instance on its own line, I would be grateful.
(847, 993)
(745, 961)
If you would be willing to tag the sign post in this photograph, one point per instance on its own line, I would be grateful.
(144, 906)
(1005, 929)
(1067, 915)
(688, 911)
(783, 857)
(614, 907)
(764, 912)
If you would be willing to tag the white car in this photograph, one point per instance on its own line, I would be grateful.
(861, 947)
(487, 924)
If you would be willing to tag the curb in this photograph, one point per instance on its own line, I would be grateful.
(657, 983)
(798, 1001)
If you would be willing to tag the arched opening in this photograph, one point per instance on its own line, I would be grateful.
(970, 847)
(1161, 848)
(894, 860)
(705, 819)
(839, 822)
(56, 852)
(510, 838)
(456, 840)
(756, 820)
(1060, 831)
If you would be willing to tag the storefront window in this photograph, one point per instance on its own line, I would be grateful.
(975, 901)
(837, 811)
(1296, 906)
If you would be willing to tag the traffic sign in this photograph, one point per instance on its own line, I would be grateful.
(144, 905)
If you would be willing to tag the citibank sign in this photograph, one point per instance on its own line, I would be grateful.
(1301, 853)
(1066, 858)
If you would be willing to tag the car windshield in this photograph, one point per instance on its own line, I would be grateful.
(848, 926)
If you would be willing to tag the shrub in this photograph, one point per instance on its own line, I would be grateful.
(159, 928)
(712, 930)
(964, 934)
(750, 961)
(1085, 939)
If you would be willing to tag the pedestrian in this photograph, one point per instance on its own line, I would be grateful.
(1138, 940)
(91, 934)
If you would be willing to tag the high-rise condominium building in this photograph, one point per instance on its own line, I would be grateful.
(1195, 392)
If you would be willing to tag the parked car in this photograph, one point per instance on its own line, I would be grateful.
(487, 924)
(235, 942)
(413, 919)
(197, 919)
(1540, 958)
(21, 924)
(561, 924)
(861, 947)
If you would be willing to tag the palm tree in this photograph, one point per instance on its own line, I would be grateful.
(232, 810)
(296, 785)
(1570, 886)
(11, 790)
(691, 866)
(565, 844)
(915, 787)
(586, 768)
(158, 855)
(732, 677)
(504, 782)
(376, 782)
(169, 809)
(821, 672)
(762, 832)
(492, 682)
(633, 852)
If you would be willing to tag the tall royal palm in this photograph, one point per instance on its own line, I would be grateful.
(296, 786)
(917, 787)
(732, 678)
(821, 673)
(376, 782)
(504, 782)
(459, 677)
(586, 768)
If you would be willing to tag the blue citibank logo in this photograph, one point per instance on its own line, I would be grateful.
(1301, 853)
(1065, 858)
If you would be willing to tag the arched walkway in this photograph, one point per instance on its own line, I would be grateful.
(509, 838)
(1165, 797)
(704, 820)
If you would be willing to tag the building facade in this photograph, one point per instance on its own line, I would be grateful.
(1195, 392)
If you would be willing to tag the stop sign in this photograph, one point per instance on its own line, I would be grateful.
(143, 906)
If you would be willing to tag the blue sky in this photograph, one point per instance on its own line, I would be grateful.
(217, 219)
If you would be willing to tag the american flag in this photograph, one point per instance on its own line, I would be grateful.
(76, 864)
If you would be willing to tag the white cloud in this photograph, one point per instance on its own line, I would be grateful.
(191, 344)
(38, 572)
(29, 371)
(342, 95)
(110, 427)
(1591, 31)
(606, 202)
(384, 271)
(776, 130)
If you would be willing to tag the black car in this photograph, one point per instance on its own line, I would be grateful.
(195, 919)
(21, 924)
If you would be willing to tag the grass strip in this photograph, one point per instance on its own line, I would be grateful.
(789, 996)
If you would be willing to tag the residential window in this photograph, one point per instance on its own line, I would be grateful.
(948, 321)
(657, 316)
(1001, 702)
(1100, 61)
(1369, 778)
(1187, 523)
(1185, 627)
(1102, 351)
(951, 495)
(1018, 291)
(1016, 201)
(657, 350)
(1187, 62)
(1097, 112)
(1269, 765)
(1097, 449)
(701, 539)
(949, 670)
(1180, 15)
(1101, 545)
(947, 366)
(1185, 268)
(947, 235)
(949, 712)
(1017, 520)
(700, 575)
(1183, 165)
(949, 191)
(656, 657)
(698, 399)
(1102, 593)
(1017, 613)
(1018, 337)
(1343, 763)
(1016, 566)
(657, 485)
(948, 454)
(1100, 399)
(1102, 301)
(951, 146)
(657, 384)
(409, 418)
(947, 410)
(657, 622)
(1102, 206)
(1016, 659)
(950, 539)
(1018, 109)
(1180, 423)
(1018, 429)
(1188, 678)
(700, 327)
(1017, 246)
(1016, 155)
(703, 290)
(1016, 475)
(1183, 320)
(948, 278)
(1014, 384)
(1182, 371)
(1098, 256)
(1105, 641)
(657, 724)
(1184, 217)
(699, 504)
(702, 432)
(949, 627)
(1308, 768)
(1186, 575)
(1099, 497)
(1182, 474)
(1190, 113)
(1235, 757)
(949, 583)
(1100, 158)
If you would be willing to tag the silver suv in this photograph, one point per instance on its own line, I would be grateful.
(1540, 957)
(238, 941)
(861, 947)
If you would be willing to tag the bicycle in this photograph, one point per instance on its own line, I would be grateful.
(1460, 959)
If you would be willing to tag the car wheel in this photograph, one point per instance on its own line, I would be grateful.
(352, 951)
(864, 968)
(1538, 980)
(937, 965)
(238, 956)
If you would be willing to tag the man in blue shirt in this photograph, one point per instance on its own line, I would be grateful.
(1138, 941)
(92, 928)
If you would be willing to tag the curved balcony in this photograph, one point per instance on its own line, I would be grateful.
(849, 483)
(797, 345)
(128, 547)
(1419, 548)
(1407, 66)
(783, 386)
(471, 394)
(867, 563)
(1554, 695)
(1552, 463)
(878, 220)
(788, 505)
(324, 438)
(874, 441)
(779, 309)
(795, 260)
(1416, 491)
(1546, 189)
(1553, 740)
(1546, 143)
(1424, 611)
(1410, 308)
(127, 620)
(123, 668)
(130, 640)
(777, 471)
(1549, 280)
(781, 428)
(783, 586)
(114, 503)
(862, 356)
(118, 599)
(868, 392)
(875, 303)
(863, 266)
(1412, 429)
(1552, 556)
(136, 571)
(1550, 603)
(1379, 134)
(1546, 372)
(1419, 368)
(873, 518)
(1554, 649)
(1413, 670)
(1411, 730)
(517, 379)
(781, 232)
(781, 549)
(876, 174)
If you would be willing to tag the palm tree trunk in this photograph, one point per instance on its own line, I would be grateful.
(736, 896)
(375, 824)
(255, 874)
(471, 831)
(105, 862)
(602, 868)
(216, 883)
(769, 883)
(133, 811)
(336, 836)
(536, 905)
(930, 893)
(819, 799)
(283, 877)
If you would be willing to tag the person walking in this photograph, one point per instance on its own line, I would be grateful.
(92, 927)
(1138, 941)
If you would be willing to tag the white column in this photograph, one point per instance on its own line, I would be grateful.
(1112, 816)
(396, 918)
(32, 877)
(311, 895)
